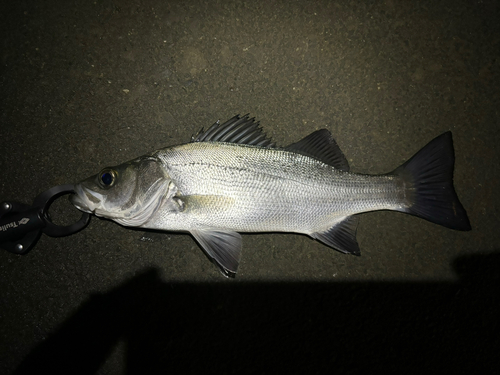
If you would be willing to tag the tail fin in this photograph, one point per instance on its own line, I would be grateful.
(429, 180)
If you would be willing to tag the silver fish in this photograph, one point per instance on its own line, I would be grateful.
(232, 178)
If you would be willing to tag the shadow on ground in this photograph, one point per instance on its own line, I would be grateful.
(296, 327)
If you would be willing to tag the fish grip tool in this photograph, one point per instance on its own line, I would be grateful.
(21, 225)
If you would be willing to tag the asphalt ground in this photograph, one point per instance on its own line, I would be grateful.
(87, 84)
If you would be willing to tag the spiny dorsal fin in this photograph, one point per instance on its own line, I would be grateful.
(242, 130)
(321, 145)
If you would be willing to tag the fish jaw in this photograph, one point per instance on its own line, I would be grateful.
(89, 201)
(81, 199)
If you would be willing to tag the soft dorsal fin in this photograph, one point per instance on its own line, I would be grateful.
(321, 145)
(242, 130)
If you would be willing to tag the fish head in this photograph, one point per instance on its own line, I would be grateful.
(129, 193)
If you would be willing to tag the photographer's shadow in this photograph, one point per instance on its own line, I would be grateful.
(284, 327)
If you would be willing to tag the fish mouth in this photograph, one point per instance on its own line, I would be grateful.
(84, 199)
(81, 199)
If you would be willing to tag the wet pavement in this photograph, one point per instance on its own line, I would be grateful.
(85, 85)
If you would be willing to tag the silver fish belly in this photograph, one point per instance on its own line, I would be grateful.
(232, 179)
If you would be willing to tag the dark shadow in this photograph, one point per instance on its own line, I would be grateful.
(301, 328)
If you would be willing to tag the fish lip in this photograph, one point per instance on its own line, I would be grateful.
(80, 200)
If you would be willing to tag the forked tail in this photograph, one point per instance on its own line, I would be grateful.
(429, 185)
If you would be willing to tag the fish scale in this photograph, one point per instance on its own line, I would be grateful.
(270, 192)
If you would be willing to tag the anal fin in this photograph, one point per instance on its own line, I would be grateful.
(222, 247)
(341, 236)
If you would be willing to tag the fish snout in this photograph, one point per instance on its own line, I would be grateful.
(80, 200)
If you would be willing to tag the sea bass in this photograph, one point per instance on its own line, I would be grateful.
(232, 178)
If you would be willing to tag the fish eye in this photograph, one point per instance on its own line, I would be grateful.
(107, 178)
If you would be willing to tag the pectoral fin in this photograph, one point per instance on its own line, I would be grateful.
(222, 247)
(341, 236)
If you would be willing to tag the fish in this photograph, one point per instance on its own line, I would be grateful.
(232, 179)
